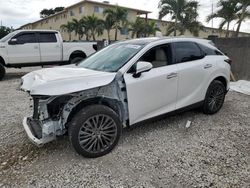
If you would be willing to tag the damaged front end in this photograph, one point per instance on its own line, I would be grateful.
(45, 123)
(51, 114)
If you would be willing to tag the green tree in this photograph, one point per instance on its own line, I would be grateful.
(227, 12)
(137, 28)
(141, 28)
(4, 31)
(243, 14)
(69, 27)
(78, 28)
(94, 25)
(183, 12)
(47, 12)
(119, 16)
(108, 25)
(151, 28)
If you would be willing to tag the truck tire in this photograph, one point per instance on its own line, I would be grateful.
(2, 72)
(94, 131)
(214, 97)
(76, 60)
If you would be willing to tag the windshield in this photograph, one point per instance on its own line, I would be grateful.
(111, 58)
(7, 37)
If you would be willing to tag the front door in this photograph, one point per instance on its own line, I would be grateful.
(26, 49)
(154, 92)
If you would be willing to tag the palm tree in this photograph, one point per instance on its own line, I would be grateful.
(108, 25)
(137, 28)
(119, 16)
(69, 27)
(78, 28)
(94, 25)
(151, 28)
(243, 13)
(141, 28)
(227, 12)
(183, 13)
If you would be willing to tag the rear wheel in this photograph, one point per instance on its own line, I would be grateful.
(76, 60)
(2, 72)
(215, 97)
(95, 131)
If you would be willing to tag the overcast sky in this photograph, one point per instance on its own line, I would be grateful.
(19, 12)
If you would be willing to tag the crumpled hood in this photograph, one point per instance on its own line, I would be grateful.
(64, 80)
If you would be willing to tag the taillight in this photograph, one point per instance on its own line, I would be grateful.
(229, 61)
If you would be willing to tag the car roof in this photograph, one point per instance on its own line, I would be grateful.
(36, 30)
(145, 41)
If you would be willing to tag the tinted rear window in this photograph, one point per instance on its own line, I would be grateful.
(187, 51)
(209, 51)
(47, 37)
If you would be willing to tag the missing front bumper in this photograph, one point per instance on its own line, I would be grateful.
(30, 127)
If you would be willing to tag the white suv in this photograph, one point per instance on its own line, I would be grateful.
(123, 84)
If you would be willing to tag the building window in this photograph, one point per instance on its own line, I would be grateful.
(71, 13)
(81, 10)
(98, 9)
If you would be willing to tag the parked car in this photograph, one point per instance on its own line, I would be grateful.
(25, 48)
(123, 84)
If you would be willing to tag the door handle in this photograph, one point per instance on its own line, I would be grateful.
(172, 75)
(207, 66)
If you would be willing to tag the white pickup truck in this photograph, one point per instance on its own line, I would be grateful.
(25, 48)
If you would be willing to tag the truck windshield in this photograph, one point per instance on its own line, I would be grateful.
(111, 58)
(7, 37)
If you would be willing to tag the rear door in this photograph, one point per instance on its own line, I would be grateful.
(194, 70)
(50, 47)
(25, 50)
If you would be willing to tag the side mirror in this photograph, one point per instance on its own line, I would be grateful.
(13, 41)
(141, 67)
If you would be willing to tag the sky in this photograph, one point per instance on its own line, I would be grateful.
(19, 12)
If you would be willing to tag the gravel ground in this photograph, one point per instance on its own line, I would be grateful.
(213, 152)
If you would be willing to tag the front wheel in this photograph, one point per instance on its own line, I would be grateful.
(2, 72)
(95, 131)
(215, 97)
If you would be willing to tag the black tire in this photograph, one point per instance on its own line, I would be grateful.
(95, 131)
(2, 71)
(215, 97)
(76, 60)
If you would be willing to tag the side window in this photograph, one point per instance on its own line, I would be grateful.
(209, 51)
(159, 56)
(26, 38)
(47, 38)
(187, 51)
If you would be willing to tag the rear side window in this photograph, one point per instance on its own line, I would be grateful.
(187, 51)
(47, 37)
(26, 38)
(209, 51)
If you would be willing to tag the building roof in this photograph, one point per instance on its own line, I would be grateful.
(92, 2)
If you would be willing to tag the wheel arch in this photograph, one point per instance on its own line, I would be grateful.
(113, 104)
(77, 53)
(223, 80)
(2, 61)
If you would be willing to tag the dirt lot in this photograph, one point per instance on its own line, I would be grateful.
(213, 152)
